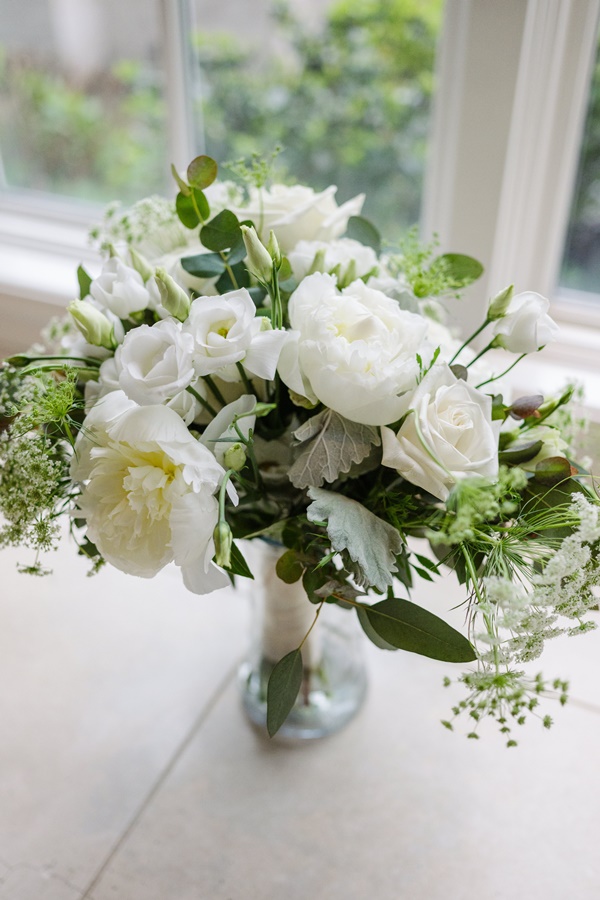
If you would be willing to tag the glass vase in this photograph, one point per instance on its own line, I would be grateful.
(334, 678)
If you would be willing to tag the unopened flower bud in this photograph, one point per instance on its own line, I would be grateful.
(274, 251)
(318, 263)
(174, 299)
(348, 276)
(235, 457)
(223, 542)
(260, 263)
(95, 327)
(141, 264)
(499, 304)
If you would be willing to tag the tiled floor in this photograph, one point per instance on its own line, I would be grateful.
(127, 771)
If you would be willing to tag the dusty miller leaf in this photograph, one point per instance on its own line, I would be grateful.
(334, 444)
(372, 543)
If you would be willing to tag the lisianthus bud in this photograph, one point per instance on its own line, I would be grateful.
(141, 264)
(235, 457)
(223, 542)
(273, 250)
(95, 327)
(500, 303)
(173, 298)
(259, 258)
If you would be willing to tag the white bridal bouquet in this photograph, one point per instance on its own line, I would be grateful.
(249, 364)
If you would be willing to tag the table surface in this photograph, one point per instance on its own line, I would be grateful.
(128, 772)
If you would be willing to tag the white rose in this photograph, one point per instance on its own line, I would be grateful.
(320, 256)
(226, 330)
(297, 213)
(354, 350)
(526, 327)
(448, 435)
(121, 289)
(148, 491)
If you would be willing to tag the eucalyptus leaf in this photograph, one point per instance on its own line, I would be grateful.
(222, 232)
(370, 632)
(360, 229)
(204, 265)
(282, 690)
(552, 470)
(410, 627)
(460, 269)
(184, 206)
(334, 444)
(520, 453)
(181, 184)
(289, 568)
(370, 542)
(201, 172)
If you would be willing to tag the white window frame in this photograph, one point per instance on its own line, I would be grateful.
(513, 82)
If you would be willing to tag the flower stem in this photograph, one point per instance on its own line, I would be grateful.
(468, 340)
(215, 390)
(506, 371)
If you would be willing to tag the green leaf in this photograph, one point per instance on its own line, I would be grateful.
(370, 632)
(334, 445)
(222, 232)
(525, 407)
(282, 690)
(204, 265)
(360, 229)
(289, 568)
(84, 282)
(237, 253)
(242, 279)
(237, 563)
(552, 470)
(184, 205)
(460, 372)
(520, 453)
(409, 627)
(370, 542)
(201, 172)
(285, 270)
(312, 580)
(181, 184)
(461, 270)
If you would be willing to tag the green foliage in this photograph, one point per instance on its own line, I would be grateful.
(283, 688)
(410, 627)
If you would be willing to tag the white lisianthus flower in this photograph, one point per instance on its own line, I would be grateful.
(321, 256)
(526, 326)
(220, 434)
(298, 213)
(155, 362)
(354, 350)
(226, 330)
(148, 491)
(448, 435)
(121, 289)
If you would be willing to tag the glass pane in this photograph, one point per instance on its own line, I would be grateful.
(343, 86)
(81, 98)
(581, 263)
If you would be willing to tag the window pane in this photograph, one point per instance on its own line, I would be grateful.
(81, 98)
(581, 263)
(344, 86)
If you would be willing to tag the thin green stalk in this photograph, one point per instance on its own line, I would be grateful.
(506, 371)
(469, 339)
(245, 379)
(480, 354)
(314, 622)
(486, 617)
(215, 390)
(204, 403)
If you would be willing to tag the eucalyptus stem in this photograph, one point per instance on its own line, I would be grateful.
(314, 622)
(196, 207)
(229, 271)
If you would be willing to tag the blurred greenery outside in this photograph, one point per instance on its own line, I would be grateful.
(349, 102)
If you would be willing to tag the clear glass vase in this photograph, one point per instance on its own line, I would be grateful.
(334, 677)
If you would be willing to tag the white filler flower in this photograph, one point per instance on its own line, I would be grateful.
(447, 435)
(354, 350)
(148, 491)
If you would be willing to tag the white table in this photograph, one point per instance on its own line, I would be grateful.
(127, 770)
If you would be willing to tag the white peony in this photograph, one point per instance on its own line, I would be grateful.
(526, 326)
(298, 213)
(447, 435)
(354, 350)
(148, 491)
(321, 256)
(226, 330)
(121, 290)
